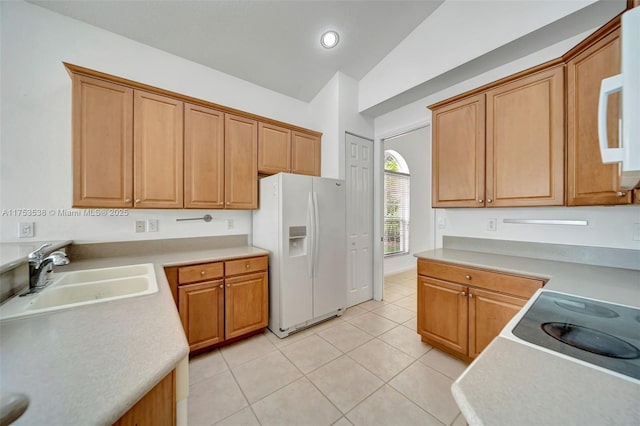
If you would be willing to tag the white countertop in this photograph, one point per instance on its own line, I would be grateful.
(89, 365)
(516, 383)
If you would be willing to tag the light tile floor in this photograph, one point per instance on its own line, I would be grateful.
(367, 367)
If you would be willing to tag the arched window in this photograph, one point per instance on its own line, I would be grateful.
(396, 204)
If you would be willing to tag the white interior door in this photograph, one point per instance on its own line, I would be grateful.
(359, 181)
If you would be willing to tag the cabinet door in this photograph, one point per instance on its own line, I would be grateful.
(489, 312)
(305, 154)
(274, 149)
(442, 313)
(459, 153)
(246, 304)
(102, 143)
(525, 141)
(589, 181)
(157, 407)
(201, 308)
(241, 162)
(158, 147)
(203, 158)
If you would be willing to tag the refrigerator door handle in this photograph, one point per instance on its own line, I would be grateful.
(316, 233)
(311, 234)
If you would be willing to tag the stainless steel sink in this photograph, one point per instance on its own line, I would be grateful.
(80, 288)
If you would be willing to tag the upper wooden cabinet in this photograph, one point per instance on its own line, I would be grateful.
(459, 153)
(502, 147)
(589, 181)
(203, 157)
(102, 121)
(305, 153)
(525, 141)
(241, 162)
(274, 149)
(158, 148)
(282, 150)
(139, 146)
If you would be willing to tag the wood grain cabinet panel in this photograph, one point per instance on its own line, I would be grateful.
(461, 310)
(158, 147)
(246, 304)
(201, 308)
(102, 120)
(459, 153)
(203, 157)
(241, 162)
(157, 407)
(274, 149)
(489, 312)
(589, 181)
(219, 311)
(305, 154)
(525, 141)
(443, 313)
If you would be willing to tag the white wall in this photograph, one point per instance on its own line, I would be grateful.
(608, 226)
(324, 107)
(434, 46)
(415, 148)
(35, 111)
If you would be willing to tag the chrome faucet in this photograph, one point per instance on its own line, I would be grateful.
(38, 265)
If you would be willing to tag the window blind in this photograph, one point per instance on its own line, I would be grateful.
(396, 212)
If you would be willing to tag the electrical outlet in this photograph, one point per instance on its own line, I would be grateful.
(152, 225)
(636, 231)
(229, 223)
(141, 226)
(492, 225)
(26, 230)
(442, 223)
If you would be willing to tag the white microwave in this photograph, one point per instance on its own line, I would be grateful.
(628, 82)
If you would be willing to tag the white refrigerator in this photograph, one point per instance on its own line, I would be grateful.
(302, 222)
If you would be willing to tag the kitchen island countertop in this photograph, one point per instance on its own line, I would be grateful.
(89, 365)
(514, 382)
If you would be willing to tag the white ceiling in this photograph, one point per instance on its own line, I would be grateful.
(274, 44)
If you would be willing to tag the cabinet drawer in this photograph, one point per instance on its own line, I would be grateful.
(243, 266)
(503, 283)
(195, 273)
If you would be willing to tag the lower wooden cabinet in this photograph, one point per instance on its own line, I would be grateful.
(246, 304)
(445, 317)
(221, 301)
(157, 407)
(489, 312)
(461, 310)
(201, 308)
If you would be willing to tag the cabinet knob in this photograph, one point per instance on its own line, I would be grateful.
(620, 194)
(247, 266)
(221, 202)
(463, 293)
(489, 200)
(137, 200)
(481, 200)
(202, 273)
(468, 277)
(127, 200)
(221, 285)
(228, 202)
(228, 285)
(470, 296)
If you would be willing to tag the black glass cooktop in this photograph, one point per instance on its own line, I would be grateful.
(596, 332)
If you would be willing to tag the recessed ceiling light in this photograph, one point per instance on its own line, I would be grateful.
(329, 39)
